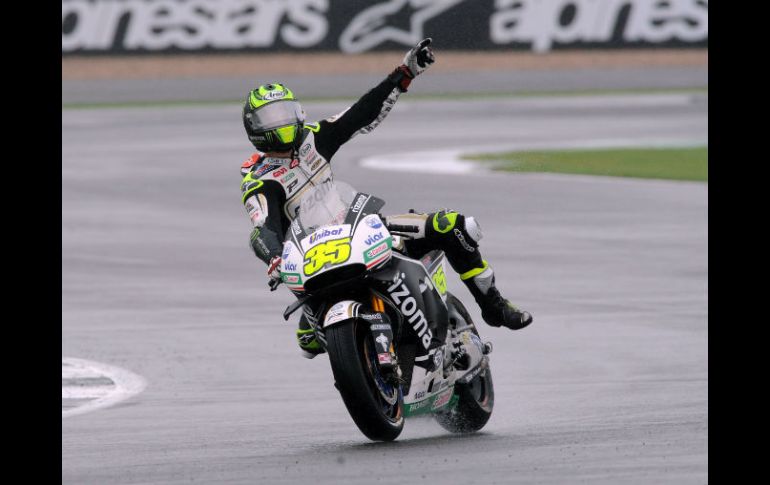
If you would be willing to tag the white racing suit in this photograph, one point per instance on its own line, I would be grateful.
(272, 188)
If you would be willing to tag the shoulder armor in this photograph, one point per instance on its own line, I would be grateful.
(249, 185)
(250, 162)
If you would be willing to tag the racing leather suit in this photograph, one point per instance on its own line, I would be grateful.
(272, 188)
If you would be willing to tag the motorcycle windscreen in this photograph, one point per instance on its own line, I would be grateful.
(325, 204)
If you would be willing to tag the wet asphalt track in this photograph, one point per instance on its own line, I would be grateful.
(609, 385)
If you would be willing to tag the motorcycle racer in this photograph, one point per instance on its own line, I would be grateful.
(294, 155)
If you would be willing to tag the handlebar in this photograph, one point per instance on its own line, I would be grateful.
(399, 228)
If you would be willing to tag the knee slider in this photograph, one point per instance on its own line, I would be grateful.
(473, 229)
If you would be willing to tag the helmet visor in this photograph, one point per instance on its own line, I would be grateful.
(275, 115)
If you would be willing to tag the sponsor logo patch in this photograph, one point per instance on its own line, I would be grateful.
(275, 95)
(334, 317)
(382, 340)
(292, 279)
(408, 306)
(442, 399)
(359, 204)
(372, 254)
(373, 239)
(374, 25)
(374, 223)
(439, 280)
(264, 168)
(325, 233)
(418, 405)
(337, 307)
(472, 374)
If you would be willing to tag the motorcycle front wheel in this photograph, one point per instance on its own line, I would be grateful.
(375, 405)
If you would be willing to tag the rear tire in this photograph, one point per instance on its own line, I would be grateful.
(476, 398)
(474, 407)
(376, 407)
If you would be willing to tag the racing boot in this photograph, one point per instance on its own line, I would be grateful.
(495, 310)
(307, 340)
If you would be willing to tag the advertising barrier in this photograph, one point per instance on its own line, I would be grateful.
(356, 26)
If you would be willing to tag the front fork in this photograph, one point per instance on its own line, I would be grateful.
(382, 336)
(379, 326)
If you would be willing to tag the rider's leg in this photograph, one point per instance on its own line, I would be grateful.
(458, 237)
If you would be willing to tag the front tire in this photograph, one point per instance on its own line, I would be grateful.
(375, 406)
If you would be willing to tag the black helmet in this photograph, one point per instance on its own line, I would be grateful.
(273, 118)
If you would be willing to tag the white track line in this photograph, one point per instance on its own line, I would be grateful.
(124, 385)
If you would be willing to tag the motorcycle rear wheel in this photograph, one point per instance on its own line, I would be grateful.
(375, 406)
(476, 398)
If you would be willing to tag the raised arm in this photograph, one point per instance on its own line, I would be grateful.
(369, 111)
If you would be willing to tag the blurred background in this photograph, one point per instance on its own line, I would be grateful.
(197, 50)
(610, 382)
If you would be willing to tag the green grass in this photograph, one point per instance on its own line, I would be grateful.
(436, 96)
(651, 163)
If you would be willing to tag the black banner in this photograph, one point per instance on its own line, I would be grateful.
(355, 26)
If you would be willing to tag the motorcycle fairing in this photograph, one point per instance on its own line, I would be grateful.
(363, 204)
(365, 245)
(368, 204)
(406, 284)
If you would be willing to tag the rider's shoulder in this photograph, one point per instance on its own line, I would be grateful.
(256, 176)
(257, 166)
(253, 161)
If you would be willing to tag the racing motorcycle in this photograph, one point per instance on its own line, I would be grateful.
(398, 342)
